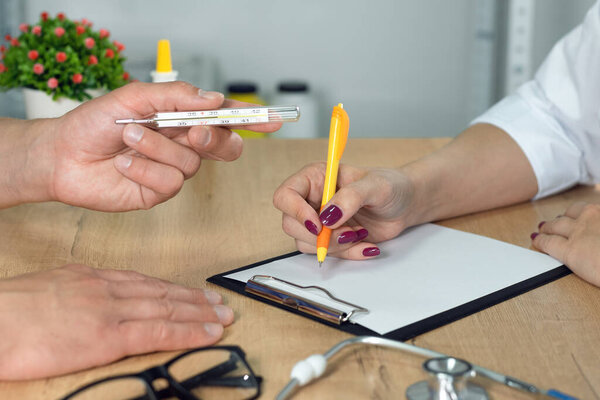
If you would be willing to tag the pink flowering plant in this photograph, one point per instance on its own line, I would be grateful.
(63, 58)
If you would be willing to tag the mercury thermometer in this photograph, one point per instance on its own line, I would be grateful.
(223, 116)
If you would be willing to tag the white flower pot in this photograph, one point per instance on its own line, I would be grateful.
(38, 104)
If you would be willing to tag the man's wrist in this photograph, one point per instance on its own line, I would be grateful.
(26, 164)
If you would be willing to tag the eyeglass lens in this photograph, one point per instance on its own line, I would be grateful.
(214, 374)
(121, 388)
(207, 374)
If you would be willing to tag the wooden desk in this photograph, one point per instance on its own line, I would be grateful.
(224, 218)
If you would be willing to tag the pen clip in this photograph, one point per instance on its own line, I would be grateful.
(266, 286)
(340, 116)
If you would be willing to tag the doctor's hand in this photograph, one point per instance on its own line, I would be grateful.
(76, 317)
(370, 206)
(574, 239)
(103, 166)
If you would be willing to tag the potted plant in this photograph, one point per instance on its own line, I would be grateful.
(59, 63)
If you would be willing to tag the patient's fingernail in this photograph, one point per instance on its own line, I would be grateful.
(205, 136)
(534, 235)
(134, 133)
(210, 95)
(312, 228)
(213, 329)
(361, 234)
(224, 313)
(540, 224)
(371, 252)
(347, 237)
(212, 297)
(331, 215)
(123, 161)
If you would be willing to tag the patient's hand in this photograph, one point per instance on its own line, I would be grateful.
(76, 317)
(574, 239)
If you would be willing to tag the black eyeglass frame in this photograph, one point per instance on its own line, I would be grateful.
(182, 389)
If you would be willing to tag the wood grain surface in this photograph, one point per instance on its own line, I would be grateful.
(224, 218)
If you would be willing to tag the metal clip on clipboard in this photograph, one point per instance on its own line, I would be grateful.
(334, 313)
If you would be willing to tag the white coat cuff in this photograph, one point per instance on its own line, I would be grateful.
(554, 158)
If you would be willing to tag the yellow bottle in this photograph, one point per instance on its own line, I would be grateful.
(246, 92)
(164, 70)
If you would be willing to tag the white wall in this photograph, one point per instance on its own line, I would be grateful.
(553, 19)
(401, 68)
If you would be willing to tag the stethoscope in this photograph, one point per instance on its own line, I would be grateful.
(450, 378)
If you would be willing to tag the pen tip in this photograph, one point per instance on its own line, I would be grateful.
(320, 263)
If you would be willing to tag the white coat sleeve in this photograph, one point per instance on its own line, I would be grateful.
(554, 118)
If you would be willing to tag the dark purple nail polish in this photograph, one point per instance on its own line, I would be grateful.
(540, 224)
(371, 252)
(330, 216)
(347, 237)
(361, 234)
(312, 228)
(533, 235)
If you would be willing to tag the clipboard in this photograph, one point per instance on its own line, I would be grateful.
(404, 332)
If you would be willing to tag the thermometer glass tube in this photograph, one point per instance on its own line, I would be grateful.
(223, 116)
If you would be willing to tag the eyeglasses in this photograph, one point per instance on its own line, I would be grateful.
(219, 372)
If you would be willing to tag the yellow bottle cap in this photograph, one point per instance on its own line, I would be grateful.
(163, 56)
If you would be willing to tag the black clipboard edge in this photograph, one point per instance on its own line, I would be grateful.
(416, 328)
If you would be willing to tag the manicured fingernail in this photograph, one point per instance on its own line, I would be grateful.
(312, 228)
(347, 237)
(533, 235)
(210, 95)
(331, 215)
(224, 313)
(361, 234)
(371, 252)
(123, 161)
(212, 297)
(213, 329)
(134, 133)
(540, 224)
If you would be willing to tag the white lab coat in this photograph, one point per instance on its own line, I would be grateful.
(555, 118)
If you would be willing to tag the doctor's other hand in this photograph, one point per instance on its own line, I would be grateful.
(76, 317)
(574, 239)
(100, 165)
(370, 206)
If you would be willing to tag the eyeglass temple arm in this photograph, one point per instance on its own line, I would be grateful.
(213, 377)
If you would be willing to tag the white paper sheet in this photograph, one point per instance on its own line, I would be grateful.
(427, 270)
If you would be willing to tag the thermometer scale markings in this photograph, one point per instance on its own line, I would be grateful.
(212, 117)
(223, 116)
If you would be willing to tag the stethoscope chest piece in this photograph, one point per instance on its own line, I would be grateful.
(449, 380)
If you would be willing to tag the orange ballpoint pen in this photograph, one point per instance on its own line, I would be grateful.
(338, 136)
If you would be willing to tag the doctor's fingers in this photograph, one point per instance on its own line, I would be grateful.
(575, 209)
(356, 251)
(562, 226)
(554, 245)
(297, 197)
(349, 200)
(341, 238)
(160, 148)
(215, 143)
